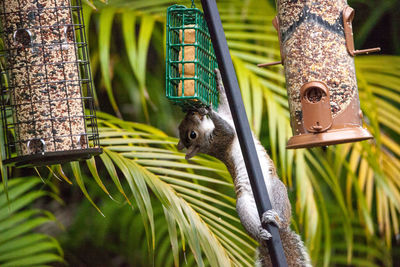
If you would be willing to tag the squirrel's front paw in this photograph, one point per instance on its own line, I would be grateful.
(220, 84)
(263, 234)
(271, 216)
(203, 111)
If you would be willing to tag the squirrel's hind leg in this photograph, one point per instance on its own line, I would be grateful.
(248, 214)
(271, 216)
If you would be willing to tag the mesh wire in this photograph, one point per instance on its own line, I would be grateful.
(198, 88)
(46, 87)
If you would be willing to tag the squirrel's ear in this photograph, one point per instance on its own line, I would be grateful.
(180, 145)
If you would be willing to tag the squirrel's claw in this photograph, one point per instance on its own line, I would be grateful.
(263, 234)
(203, 111)
(220, 85)
(271, 216)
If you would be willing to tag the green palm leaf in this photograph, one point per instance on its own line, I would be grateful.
(190, 206)
(19, 244)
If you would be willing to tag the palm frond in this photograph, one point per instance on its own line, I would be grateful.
(149, 163)
(20, 245)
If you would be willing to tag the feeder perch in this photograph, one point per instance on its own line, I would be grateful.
(317, 50)
(190, 64)
(46, 84)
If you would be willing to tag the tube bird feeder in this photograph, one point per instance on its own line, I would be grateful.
(317, 51)
(46, 83)
(190, 62)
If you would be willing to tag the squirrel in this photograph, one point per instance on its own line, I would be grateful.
(206, 131)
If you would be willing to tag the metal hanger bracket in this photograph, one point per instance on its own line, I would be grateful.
(348, 16)
(275, 22)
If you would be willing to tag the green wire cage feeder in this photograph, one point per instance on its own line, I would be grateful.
(190, 64)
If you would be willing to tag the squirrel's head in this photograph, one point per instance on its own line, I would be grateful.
(195, 134)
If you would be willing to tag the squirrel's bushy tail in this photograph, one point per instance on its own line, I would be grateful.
(295, 251)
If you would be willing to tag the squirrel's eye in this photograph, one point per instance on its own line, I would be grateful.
(193, 135)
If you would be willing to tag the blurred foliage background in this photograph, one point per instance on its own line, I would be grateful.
(141, 204)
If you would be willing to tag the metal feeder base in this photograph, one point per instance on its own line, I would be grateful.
(330, 137)
(49, 158)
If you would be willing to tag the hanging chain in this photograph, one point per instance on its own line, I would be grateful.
(193, 5)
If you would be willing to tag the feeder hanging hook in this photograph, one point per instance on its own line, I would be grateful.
(193, 4)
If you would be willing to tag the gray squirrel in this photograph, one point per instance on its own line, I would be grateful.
(213, 133)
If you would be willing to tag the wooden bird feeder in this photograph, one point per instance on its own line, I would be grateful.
(317, 51)
(190, 63)
(46, 83)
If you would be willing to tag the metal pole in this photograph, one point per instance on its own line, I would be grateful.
(242, 126)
